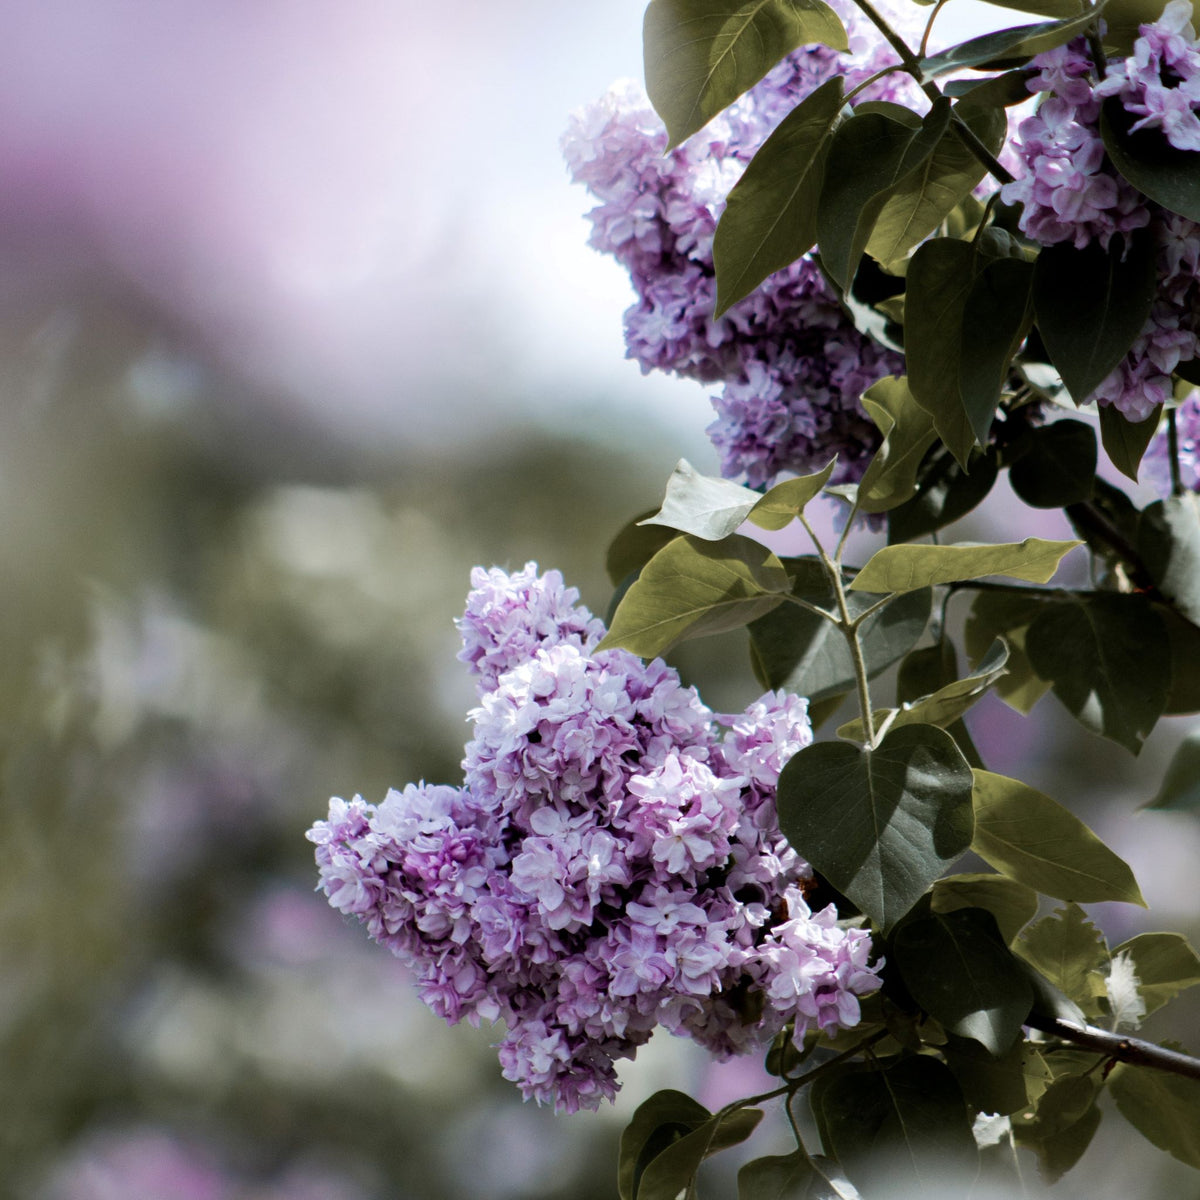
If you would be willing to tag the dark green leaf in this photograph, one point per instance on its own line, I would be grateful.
(770, 217)
(1000, 91)
(1169, 544)
(891, 477)
(633, 548)
(805, 653)
(1056, 465)
(945, 492)
(1109, 661)
(701, 55)
(1163, 1108)
(898, 1129)
(1007, 615)
(1184, 640)
(1012, 904)
(1180, 788)
(1170, 177)
(672, 1170)
(785, 501)
(785, 1177)
(1005, 45)
(1091, 304)
(879, 824)
(1125, 441)
(997, 314)
(869, 155)
(692, 588)
(1061, 1126)
(702, 505)
(1165, 966)
(901, 568)
(958, 969)
(994, 1084)
(1049, 8)
(1070, 952)
(1034, 840)
(656, 1124)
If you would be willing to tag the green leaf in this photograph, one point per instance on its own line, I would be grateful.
(1168, 542)
(1163, 1108)
(922, 200)
(703, 506)
(701, 55)
(1056, 465)
(692, 588)
(657, 1123)
(1007, 615)
(994, 1084)
(1170, 177)
(879, 824)
(770, 217)
(633, 548)
(673, 1170)
(1180, 788)
(1046, 8)
(802, 652)
(1184, 639)
(998, 91)
(948, 703)
(1165, 964)
(901, 568)
(1034, 840)
(1091, 304)
(1125, 441)
(1012, 904)
(1061, 1126)
(958, 969)
(945, 492)
(898, 1129)
(1070, 952)
(1124, 17)
(1108, 659)
(1008, 45)
(869, 155)
(997, 314)
(783, 1177)
(891, 477)
(785, 501)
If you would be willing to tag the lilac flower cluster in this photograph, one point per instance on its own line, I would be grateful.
(1157, 461)
(612, 863)
(1070, 191)
(791, 364)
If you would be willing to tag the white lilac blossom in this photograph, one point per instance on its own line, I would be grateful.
(1070, 191)
(611, 864)
(1156, 463)
(790, 364)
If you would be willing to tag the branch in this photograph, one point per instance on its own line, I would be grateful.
(1131, 1050)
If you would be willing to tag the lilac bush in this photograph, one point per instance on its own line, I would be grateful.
(612, 862)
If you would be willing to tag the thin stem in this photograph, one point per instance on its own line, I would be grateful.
(748, 1100)
(850, 630)
(868, 612)
(1173, 453)
(937, 8)
(1118, 1046)
(867, 1042)
(800, 602)
(866, 83)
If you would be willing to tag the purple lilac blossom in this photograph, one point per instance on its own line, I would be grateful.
(1157, 461)
(1070, 191)
(611, 864)
(790, 363)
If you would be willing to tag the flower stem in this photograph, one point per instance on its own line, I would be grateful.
(1173, 453)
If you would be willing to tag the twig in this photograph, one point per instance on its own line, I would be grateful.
(1134, 1051)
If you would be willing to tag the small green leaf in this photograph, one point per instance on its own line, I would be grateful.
(1071, 953)
(958, 969)
(1170, 177)
(891, 477)
(1061, 1125)
(899, 1129)
(659, 1121)
(633, 548)
(1091, 304)
(1125, 441)
(1180, 788)
(901, 568)
(783, 1177)
(692, 588)
(701, 55)
(770, 217)
(802, 652)
(945, 492)
(870, 154)
(1007, 615)
(1164, 1109)
(1168, 542)
(1034, 840)
(673, 1170)
(786, 500)
(1055, 465)
(1165, 965)
(1108, 658)
(1012, 904)
(702, 505)
(880, 824)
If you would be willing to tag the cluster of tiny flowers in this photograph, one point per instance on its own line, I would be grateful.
(790, 363)
(612, 863)
(1156, 463)
(1070, 191)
